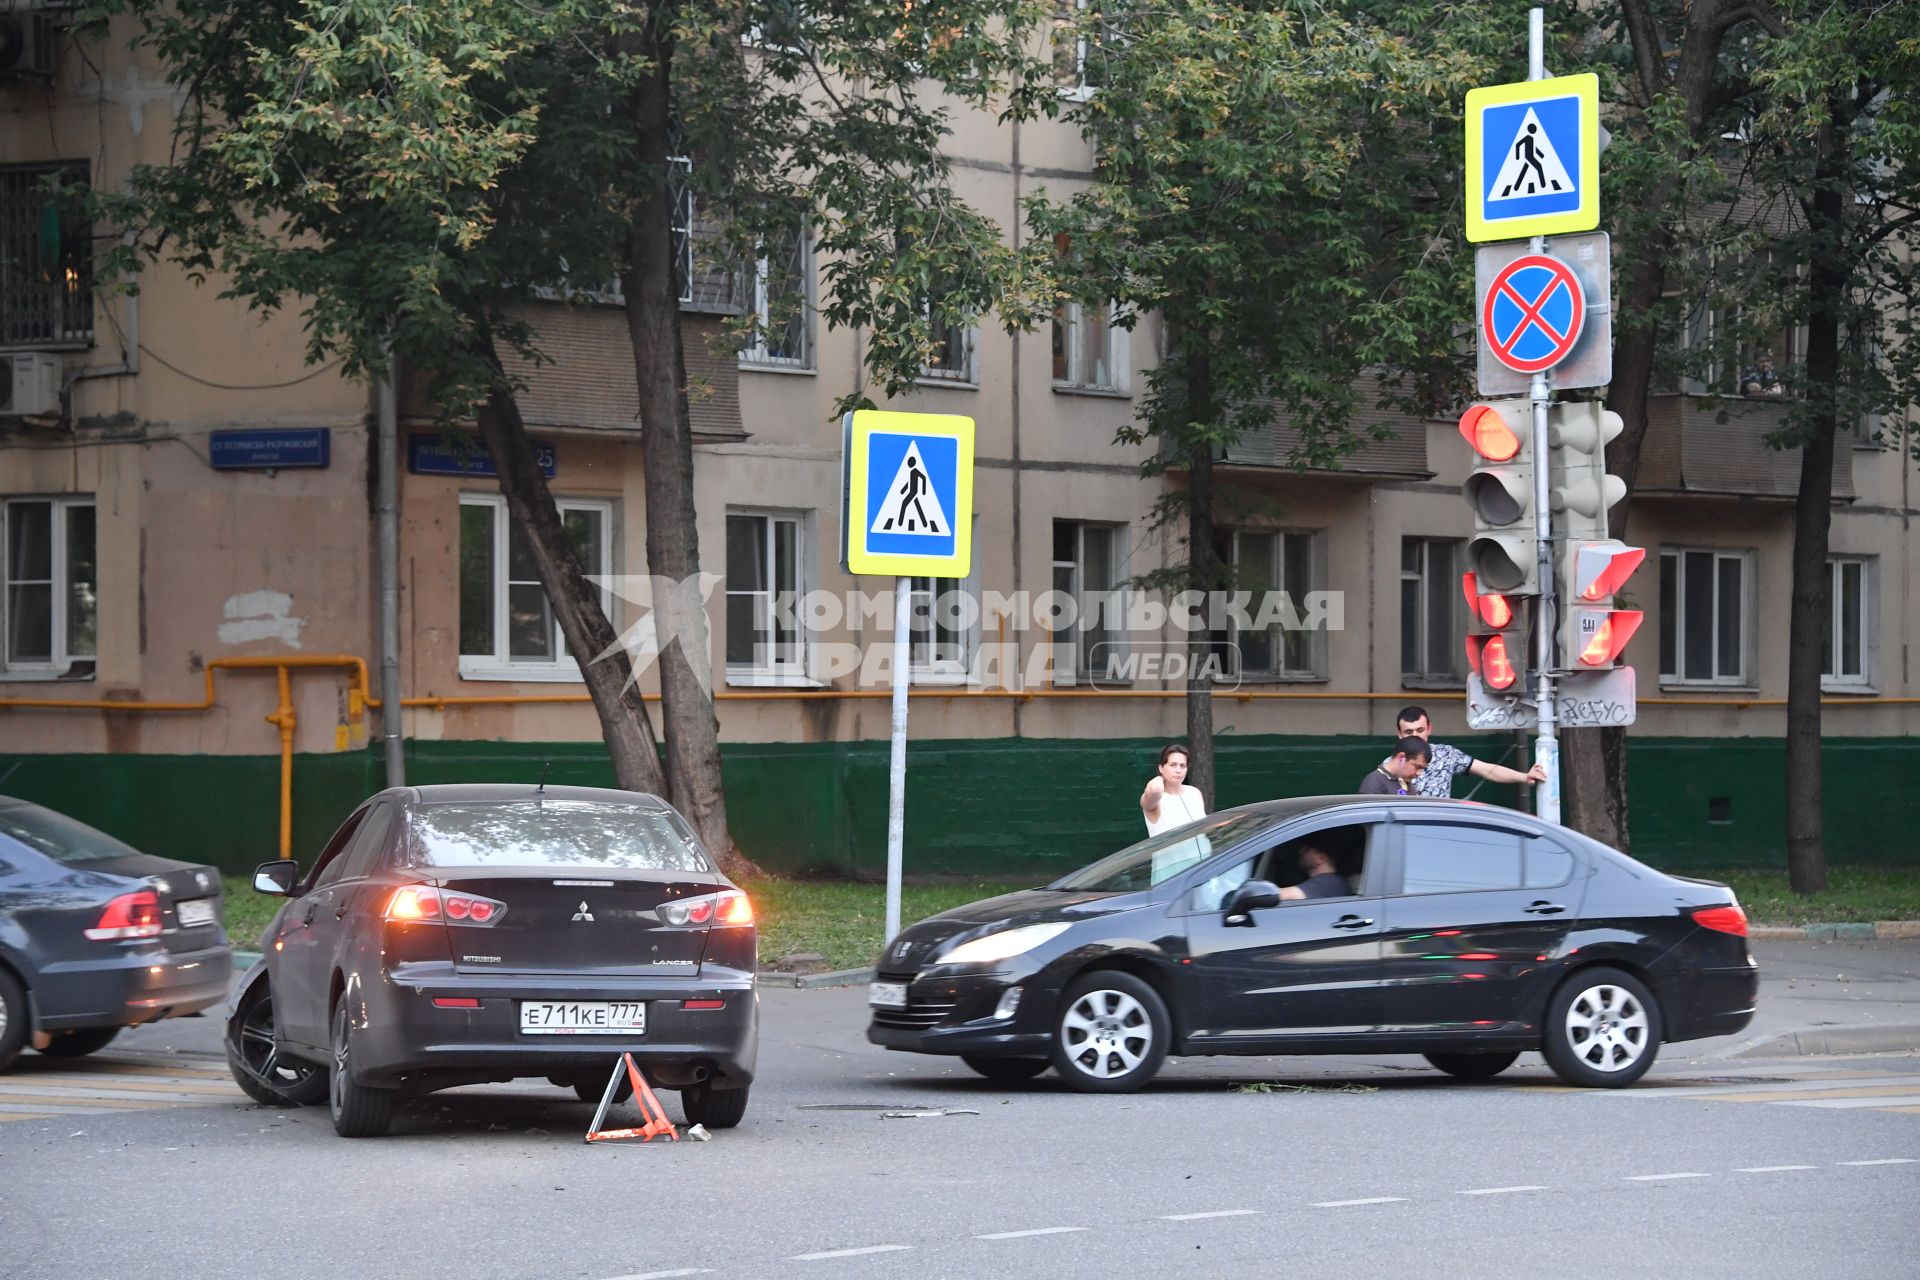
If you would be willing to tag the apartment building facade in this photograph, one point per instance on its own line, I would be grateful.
(150, 555)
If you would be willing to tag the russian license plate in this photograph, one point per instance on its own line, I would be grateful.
(888, 995)
(582, 1017)
(194, 913)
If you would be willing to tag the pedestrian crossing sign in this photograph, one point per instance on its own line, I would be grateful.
(907, 506)
(1533, 158)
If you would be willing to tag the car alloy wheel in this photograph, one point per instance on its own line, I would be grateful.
(358, 1112)
(255, 1061)
(1111, 1034)
(1603, 1029)
(13, 1019)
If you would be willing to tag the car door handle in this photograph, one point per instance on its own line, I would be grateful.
(308, 918)
(340, 911)
(1352, 922)
(1545, 908)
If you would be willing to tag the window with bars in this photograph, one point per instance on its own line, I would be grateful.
(1265, 562)
(507, 627)
(1089, 567)
(1704, 601)
(1846, 653)
(1432, 611)
(50, 604)
(764, 558)
(46, 260)
(783, 302)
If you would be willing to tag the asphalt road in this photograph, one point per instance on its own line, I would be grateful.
(145, 1162)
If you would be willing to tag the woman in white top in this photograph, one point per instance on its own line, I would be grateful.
(1168, 802)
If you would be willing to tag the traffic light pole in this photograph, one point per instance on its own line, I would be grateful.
(1546, 743)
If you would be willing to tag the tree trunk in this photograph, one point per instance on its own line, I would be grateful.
(575, 601)
(1813, 510)
(673, 543)
(1203, 575)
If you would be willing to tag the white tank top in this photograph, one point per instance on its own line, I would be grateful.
(1177, 810)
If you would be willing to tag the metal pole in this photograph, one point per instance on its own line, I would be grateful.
(1546, 743)
(387, 535)
(897, 770)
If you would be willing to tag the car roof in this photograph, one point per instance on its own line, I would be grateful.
(1303, 806)
(521, 793)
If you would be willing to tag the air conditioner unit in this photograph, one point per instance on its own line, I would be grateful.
(29, 385)
(29, 42)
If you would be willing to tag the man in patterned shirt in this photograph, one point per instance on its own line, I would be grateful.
(1449, 762)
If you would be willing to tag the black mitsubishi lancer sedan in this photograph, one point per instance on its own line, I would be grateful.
(1336, 924)
(452, 935)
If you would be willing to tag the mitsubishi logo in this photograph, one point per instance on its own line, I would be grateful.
(583, 914)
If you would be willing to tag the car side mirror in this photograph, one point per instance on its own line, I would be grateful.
(276, 878)
(1254, 895)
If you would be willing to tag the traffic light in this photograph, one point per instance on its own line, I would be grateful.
(1578, 484)
(1592, 631)
(1504, 555)
(1496, 639)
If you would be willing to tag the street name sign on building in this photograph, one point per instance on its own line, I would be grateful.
(435, 455)
(1533, 158)
(270, 448)
(907, 496)
(1583, 699)
(1588, 361)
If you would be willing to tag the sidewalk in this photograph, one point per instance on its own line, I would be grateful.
(1842, 996)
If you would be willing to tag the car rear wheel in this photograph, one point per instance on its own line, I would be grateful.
(78, 1044)
(256, 1062)
(1007, 1070)
(1111, 1033)
(358, 1112)
(1472, 1066)
(13, 1019)
(1603, 1029)
(703, 1104)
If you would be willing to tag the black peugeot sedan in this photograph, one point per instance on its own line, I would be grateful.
(1335, 924)
(451, 935)
(96, 935)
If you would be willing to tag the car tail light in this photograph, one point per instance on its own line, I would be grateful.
(729, 907)
(735, 908)
(411, 902)
(131, 915)
(1728, 919)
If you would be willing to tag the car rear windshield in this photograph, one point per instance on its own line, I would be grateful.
(555, 834)
(58, 836)
(1159, 858)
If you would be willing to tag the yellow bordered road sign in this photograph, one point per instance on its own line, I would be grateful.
(907, 494)
(1533, 158)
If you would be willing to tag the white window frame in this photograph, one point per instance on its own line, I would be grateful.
(1079, 380)
(922, 670)
(794, 673)
(1079, 90)
(1701, 326)
(62, 658)
(756, 354)
(1280, 673)
(1073, 657)
(498, 665)
(1455, 676)
(1868, 622)
(967, 377)
(1742, 679)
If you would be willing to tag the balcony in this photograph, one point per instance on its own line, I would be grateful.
(1690, 452)
(1400, 452)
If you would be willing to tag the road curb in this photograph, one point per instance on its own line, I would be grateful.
(812, 981)
(1821, 1041)
(1850, 931)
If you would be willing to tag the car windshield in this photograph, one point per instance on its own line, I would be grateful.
(1158, 859)
(58, 836)
(555, 833)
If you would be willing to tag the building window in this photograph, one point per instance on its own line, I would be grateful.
(1729, 352)
(50, 609)
(1703, 616)
(1846, 653)
(782, 302)
(944, 627)
(507, 627)
(1264, 563)
(763, 595)
(952, 357)
(1088, 562)
(46, 260)
(1089, 349)
(1075, 48)
(1432, 611)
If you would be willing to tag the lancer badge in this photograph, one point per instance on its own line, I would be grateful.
(583, 914)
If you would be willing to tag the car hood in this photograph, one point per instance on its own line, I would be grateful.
(915, 946)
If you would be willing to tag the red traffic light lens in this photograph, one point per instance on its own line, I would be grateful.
(1611, 637)
(1619, 568)
(1489, 433)
(1495, 667)
(1495, 611)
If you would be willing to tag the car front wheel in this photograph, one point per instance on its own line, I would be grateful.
(1603, 1029)
(256, 1062)
(1111, 1033)
(13, 1019)
(358, 1112)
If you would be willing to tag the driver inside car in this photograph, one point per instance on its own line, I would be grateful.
(1322, 881)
